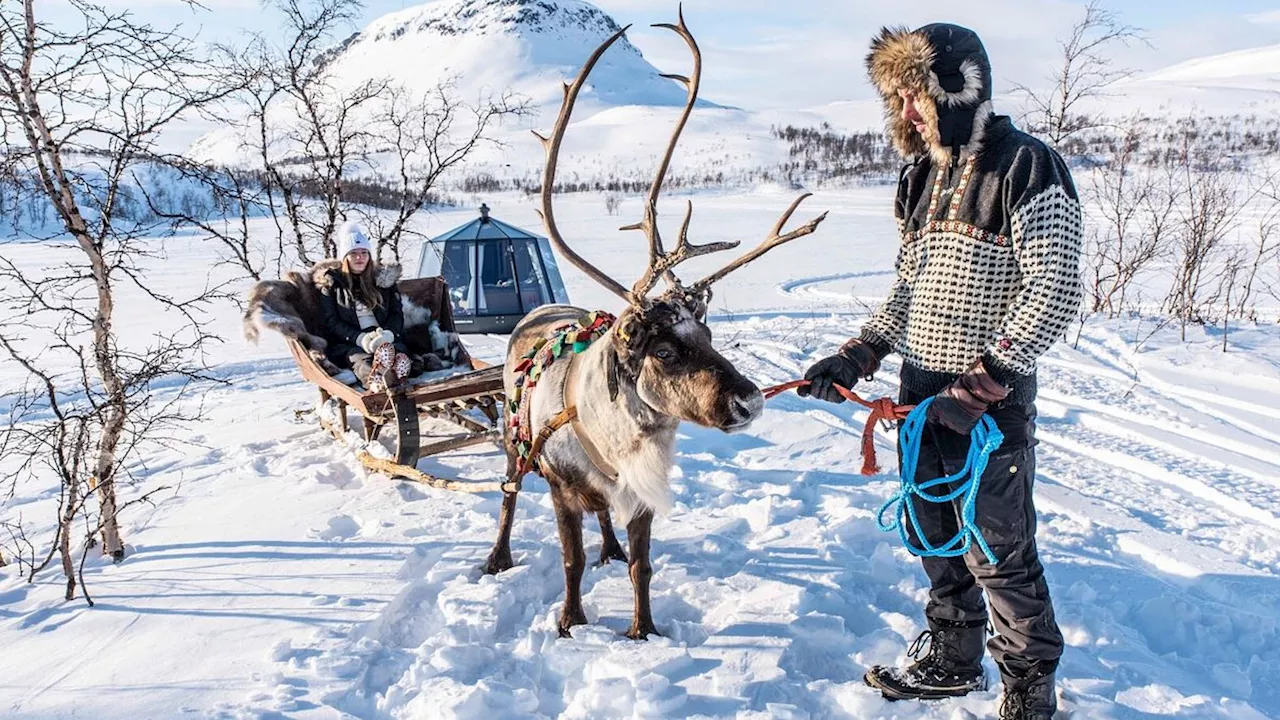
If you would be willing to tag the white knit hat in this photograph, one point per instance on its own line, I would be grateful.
(352, 237)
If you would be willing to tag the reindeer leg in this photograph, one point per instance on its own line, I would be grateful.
(641, 571)
(500, 556)
(569, 522)
(610, 549)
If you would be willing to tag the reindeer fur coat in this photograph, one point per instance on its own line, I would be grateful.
(294, 307)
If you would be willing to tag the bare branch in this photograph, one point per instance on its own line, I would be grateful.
(1084, 74)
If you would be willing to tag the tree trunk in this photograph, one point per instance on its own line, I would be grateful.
(58, 187)
(64, 537)
(116, 410)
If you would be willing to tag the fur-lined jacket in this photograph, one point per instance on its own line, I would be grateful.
(338, 308)
(990, 223)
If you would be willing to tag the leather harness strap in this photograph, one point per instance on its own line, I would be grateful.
(562, 418)
(584, 439)
(567, 416)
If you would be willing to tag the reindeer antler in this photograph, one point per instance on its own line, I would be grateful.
(552, 147)
(774, 240)
(661, 263)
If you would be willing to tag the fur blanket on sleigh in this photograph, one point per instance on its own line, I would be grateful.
(291, 307)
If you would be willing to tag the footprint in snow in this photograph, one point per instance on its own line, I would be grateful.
(341, 527)
(337, 476)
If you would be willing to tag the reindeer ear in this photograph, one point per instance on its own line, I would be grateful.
(611, 361)
(701, 304)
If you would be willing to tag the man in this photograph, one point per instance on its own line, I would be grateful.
(987, 280)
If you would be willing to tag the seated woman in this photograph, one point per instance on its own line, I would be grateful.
(363, 320)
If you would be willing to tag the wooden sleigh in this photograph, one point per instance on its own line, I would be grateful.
(471, 401)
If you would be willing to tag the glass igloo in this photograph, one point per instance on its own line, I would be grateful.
(496, 273)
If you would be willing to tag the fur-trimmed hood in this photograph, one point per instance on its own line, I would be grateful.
(947, 69)
(326, 274)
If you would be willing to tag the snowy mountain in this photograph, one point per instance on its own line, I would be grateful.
(530, 47)
(624, 115)
(525, 46)
(1253, 69)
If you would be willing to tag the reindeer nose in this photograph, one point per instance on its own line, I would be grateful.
(748, 407)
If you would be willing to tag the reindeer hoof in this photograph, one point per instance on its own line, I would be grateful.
(568, 620)
(611, 553)
(498, 562)
(642, 632)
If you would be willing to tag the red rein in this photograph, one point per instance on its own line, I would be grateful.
(882, 410)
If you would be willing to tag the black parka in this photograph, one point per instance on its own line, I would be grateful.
(338, 310)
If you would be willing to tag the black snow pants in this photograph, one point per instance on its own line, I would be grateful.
(1021, 612)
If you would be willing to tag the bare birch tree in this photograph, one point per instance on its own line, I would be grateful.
(426, 136)
(1260, 258)
(323, 152)
(1058, 111)
(1132, 234)
(1209, 201)
(82, 106)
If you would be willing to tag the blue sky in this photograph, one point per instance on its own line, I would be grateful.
(771, 54)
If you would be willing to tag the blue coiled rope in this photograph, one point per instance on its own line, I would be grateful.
(983, 441)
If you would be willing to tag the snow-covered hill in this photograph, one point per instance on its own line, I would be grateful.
(530, 47)
(1241, 82)
(1253, 69)
(621, 125)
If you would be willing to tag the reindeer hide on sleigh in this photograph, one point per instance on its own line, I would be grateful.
(291, 307)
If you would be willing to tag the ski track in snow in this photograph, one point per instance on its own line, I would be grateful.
(1159, 522)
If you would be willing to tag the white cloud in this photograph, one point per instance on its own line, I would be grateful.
(801, 53)
(767, 54)
(1265, 18)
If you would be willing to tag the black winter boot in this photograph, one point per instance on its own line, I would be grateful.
(1029, 698)
(952, 668)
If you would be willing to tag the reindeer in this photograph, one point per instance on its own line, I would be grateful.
(631, 388)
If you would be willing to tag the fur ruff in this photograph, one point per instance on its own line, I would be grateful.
(903, 59)
(325, 271)
(291, 307)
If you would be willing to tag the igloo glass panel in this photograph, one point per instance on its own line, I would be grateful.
(456, 268)
(498, 291)
(532, 279)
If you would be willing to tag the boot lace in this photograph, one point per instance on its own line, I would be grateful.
(1015, 702)
(1022, 703)
(941, 649)
(917, 646)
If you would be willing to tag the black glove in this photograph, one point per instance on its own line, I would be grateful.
(856, 360)
(961, 404)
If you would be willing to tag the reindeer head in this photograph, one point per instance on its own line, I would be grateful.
(663, 353)
(661, 346)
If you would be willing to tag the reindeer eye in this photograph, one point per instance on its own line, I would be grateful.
(664, 353)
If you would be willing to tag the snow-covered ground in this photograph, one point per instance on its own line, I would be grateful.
(281, 580)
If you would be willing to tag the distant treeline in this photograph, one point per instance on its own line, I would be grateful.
(1159, 141)
(147, 197)
(821, 153)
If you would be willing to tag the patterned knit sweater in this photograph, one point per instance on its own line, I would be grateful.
(989, 265)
